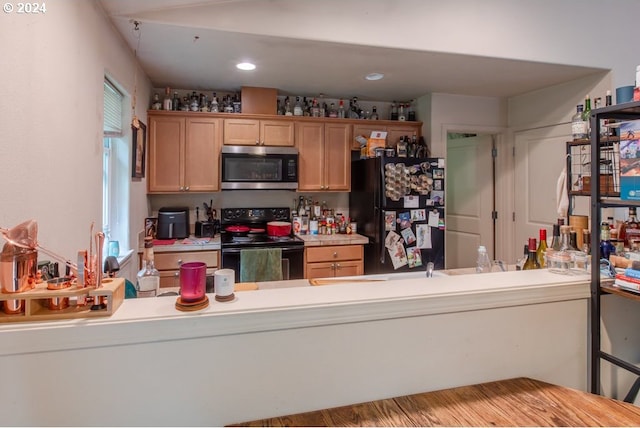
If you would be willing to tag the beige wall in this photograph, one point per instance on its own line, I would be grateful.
(52, 70)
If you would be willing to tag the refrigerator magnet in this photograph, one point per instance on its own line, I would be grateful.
(392, 239)
(389, 220)
(418, 215)
(398, 255)
(408, 236)
(411, 201)
(414, 257)
(434, 218)
(423, 236)
(405, 220)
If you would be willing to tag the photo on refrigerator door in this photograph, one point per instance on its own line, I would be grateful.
(398, 255)
(414, 257)
(389, 220)
(423, 236)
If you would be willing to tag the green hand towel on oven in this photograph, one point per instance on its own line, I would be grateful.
(260, 264)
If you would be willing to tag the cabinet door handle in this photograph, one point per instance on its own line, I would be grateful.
(186, 188)
(338, 266)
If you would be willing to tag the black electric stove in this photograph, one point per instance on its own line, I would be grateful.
(256, 220)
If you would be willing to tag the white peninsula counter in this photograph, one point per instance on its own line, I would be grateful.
(287, 350)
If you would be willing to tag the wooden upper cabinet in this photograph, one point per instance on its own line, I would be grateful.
(252, 132)
(166, 149)
(310, 143)
(394, 132)
(183, 153)
(337, 149)
(324, 156)
(202, 154)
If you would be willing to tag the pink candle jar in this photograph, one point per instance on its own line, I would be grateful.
(193, 281)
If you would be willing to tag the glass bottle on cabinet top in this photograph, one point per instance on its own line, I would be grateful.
(578, 124)
(542, 248)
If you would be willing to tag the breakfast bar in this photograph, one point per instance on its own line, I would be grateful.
(295, 349)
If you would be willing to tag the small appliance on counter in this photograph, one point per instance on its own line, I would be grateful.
(211, 226)
(173, 223)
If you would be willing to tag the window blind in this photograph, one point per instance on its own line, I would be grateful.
(112, 110)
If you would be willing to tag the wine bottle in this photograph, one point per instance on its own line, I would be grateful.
(586, 114)
(532, 258)
(555, 240)
(542, 248)
(297, 108)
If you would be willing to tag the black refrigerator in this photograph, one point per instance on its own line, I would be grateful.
(398, 203)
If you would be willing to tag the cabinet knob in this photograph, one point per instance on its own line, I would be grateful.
(257, 142)
(338, 266)
(179, 262)
(177, 274)
(262, 143)
(186, 188)
(335, 254)
(182, 188)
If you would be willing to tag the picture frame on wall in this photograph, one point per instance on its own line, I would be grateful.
(138, 140)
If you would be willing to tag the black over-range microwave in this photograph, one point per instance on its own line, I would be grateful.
(259, 167)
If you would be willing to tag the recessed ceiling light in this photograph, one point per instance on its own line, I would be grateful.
(374, 76)
(246, 66)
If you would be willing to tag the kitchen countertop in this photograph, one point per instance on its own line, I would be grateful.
(338, 239)
(188, 244)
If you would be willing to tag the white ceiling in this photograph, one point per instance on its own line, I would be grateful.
(195, 45)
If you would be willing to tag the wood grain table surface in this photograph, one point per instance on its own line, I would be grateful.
(511, 402)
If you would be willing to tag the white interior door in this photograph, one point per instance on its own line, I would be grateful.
(539, 159)
(469, 200)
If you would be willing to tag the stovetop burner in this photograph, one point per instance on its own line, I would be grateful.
(256, 219)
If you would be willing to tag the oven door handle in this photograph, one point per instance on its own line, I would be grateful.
(237, 250)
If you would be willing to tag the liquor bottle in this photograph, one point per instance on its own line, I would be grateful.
(578, 125)
(632, 228)
(175, 103)
(521, 260)
(532, 258)
(483, 263)
(194, 104)
(555, 240)
(214, 103)
(167, 102)
(565, 239)
(606, 247)
(542, 248)
(411, 112)
(374, 114)
(586, 114)
(315, 109)
(394, 111)
(573, 239)
(604, 123)
(333, 112)
(287, 107)
(148, 278)
(156, 105)
(297, 108)
(401, 116)
(341, 112)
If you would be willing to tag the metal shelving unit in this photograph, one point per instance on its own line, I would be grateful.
(602, 198)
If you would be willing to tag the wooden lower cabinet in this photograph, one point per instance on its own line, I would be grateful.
(168, 264)
(333, 260)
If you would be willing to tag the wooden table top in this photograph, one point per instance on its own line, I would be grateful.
(511, 402)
